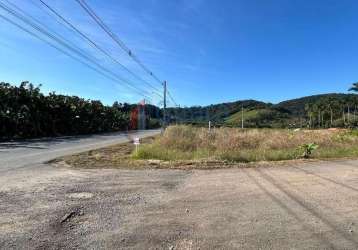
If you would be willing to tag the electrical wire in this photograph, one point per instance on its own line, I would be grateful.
(121, 44)
(113, 76)
(172, 99)
(58, 48)
(95, 45)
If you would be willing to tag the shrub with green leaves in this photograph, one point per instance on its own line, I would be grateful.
(308, 149)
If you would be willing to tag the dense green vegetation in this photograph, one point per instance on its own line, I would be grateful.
(25, 112)
(318, 111)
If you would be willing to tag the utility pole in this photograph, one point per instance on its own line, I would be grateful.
(344, 117)
(320, 118)
(165, 105)
(242, 117)
(348, 117)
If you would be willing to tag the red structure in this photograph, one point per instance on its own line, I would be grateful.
(137, 117)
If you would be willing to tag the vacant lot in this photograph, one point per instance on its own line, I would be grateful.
(252, 145)
(186, 147)
(305, 206)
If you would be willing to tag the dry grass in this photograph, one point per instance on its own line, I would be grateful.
(187, 147)
(235, 145)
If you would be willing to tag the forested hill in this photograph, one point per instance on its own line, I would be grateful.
(324, 110)
(217, 112)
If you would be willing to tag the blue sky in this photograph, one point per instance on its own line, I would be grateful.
(208, 51)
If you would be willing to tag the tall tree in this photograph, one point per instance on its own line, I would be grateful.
(354, 87)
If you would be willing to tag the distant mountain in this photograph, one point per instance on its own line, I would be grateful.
(316, 111)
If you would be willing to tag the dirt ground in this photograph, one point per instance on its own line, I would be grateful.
(305, 206)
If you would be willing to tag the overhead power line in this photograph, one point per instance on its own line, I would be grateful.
(95, 45)
(74, 51)
(55, 47)
(172, 99)
(99, 68)
(121, 44)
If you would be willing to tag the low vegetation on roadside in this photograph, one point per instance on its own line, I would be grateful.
(188, 147)
(180, 143)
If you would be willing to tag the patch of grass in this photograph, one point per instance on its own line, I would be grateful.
(251, 145)
(251, 114)
(147, 152)
(353, 132)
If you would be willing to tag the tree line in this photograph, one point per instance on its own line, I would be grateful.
(334, 112)
(331, 112)
(25, 112)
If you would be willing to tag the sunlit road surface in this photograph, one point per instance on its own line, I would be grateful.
(304, 205)
(312, 205)
(30, 153)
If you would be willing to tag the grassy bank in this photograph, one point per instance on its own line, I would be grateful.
(181, 143)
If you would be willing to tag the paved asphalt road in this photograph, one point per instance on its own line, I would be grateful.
(31, 153)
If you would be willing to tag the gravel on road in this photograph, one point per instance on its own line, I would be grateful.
(304, 206)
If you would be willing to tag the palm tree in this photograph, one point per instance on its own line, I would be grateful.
(354, 87)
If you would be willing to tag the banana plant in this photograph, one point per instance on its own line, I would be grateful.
(308, 149)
